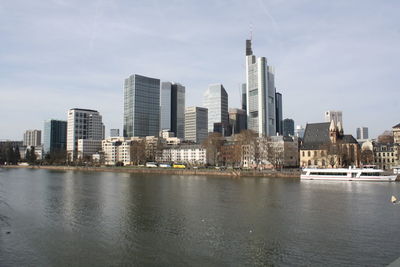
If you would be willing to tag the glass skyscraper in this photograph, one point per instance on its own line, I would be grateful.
(278, 113)
(55, 136)
(260, 87)
(141, 106)
(288, 127)
(216, 101)
(173, 108)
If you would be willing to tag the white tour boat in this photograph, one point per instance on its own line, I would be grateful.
(350, 174)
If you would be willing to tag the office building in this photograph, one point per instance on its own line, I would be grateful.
(32, 138)
(196, 124)
(55, 136)
(362, 133)
(82, 124)
(278, 113)
(216, 101)
(288, 127)
(335, 116)
(260, 88)
(299, 131)
(173, 108)
(238, 120)
(141, 106)
(114, 132)
(244, 97)
(88, 147)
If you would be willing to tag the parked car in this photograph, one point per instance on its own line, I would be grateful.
(179, 166)
(163, 165)
(151, 165)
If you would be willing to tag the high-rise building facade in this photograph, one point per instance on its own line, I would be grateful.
(173, 108)
(278, 113)
(244, 97)
(216, 101)
(114, 132)
(32, 138)
(288, 127)
(299, 131)
(238, 120)
(82, 124)
(196, 124)
(335, 116)
(362, 133)
(260, 87)
(141, 106)
(55, 136)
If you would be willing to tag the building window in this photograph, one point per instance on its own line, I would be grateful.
(322, 153)
(315, 153)
(303, 154)
(323, 162)
(316, 162)
(309, 162)
(309, 154)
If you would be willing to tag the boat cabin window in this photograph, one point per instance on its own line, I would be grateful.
(371, 174)
(329, 173)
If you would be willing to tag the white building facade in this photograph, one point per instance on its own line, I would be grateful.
(196, 124)
(188, 154)
(32, 138)
(82, 124)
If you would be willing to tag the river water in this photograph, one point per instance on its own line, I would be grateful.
(66, 218)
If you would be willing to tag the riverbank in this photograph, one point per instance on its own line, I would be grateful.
(171, 171)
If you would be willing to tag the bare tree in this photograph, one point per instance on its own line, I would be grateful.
(367, 157)
(138, 152)
(275, 153)
(246, 139)
(213, 145)
(386, 137)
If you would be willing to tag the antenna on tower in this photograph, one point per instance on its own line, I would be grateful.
(251, 31)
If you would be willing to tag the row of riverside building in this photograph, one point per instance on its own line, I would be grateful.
(157, 126)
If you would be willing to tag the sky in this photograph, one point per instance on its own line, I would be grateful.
(327, 55)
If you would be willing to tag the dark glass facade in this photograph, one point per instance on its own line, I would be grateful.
(55, 136)
(141, 106)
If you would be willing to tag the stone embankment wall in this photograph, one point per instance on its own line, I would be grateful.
(171, 171)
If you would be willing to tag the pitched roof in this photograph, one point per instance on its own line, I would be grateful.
(396, 126)
(348, 138)
(315, 135)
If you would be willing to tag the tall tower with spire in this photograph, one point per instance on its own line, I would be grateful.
(260, 92)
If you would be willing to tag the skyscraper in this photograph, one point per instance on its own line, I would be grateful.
(244, 97)
(173, 108)
(55, 136)
(288, 127)
(216, 101)
(260, 84)
(141, 106)
(114, 132)
(82, 124)
(278, 113)
(238, 120)
(196, 124)
(335, 116)
(362, 133)
(32, 138)
(299, 131)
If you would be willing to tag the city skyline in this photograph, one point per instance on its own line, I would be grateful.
(67, 59)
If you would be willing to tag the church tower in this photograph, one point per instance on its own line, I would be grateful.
(333, 132)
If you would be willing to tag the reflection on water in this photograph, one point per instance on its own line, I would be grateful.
(82, 218)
